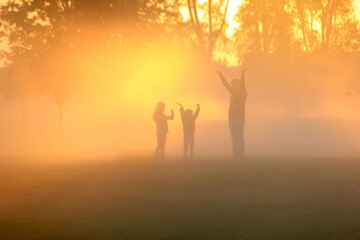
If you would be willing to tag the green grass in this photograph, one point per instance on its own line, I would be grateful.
(204, 199)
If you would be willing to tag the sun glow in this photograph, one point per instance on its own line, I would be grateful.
(118, 85)
(157, 75)
(357, 11)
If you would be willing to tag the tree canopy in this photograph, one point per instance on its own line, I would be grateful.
(39, 32)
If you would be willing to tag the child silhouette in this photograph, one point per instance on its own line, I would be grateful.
(188, 121)
(161, 129)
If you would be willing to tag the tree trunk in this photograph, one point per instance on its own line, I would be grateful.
(323, 27)
(212, 37)
(311, 29)
(23, 112)
(334, 27)
(215, 37)
(198, 25)
(191, 14)
(265, 37)
(302, 21)
(192, 8)
(257, 31)
(322, 34)
(330, 24)
(60, 126)
(211, 43)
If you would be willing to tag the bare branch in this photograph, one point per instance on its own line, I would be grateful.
(191, 13)
(198, 25)
(223, 20)
(210, 24)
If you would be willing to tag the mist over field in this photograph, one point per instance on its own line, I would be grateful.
(293, 109)
(83, 129)
(81, 79)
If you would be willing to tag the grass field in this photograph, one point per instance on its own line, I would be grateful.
(176, 199)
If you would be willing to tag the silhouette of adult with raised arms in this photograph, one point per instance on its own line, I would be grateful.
(236, 114)
(188, 122)
(162, 129)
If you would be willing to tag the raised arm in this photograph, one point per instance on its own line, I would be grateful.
(196, 114)
(225, 82)
(181, 108)
(171, 117)
(242, 81)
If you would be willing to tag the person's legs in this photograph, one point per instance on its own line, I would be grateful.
(185, 146)
(160, 148)
(232, 127)
(241, 137)
(236, 126)
(191, 143)
(157, 149)
(162, 151)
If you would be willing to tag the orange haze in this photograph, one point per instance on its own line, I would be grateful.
(309, 107)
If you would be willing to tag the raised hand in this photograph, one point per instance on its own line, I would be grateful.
(198, 105)
(181, 106)
(172, 115)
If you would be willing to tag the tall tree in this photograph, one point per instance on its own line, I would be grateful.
(336, 19)
(209, 29)
(16, 81)
(266, 25)
(51, 32)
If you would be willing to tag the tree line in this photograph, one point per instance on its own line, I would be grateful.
(39, 31)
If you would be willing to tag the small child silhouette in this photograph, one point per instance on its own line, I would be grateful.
(188, 121)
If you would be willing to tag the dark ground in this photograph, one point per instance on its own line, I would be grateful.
(204, 199)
